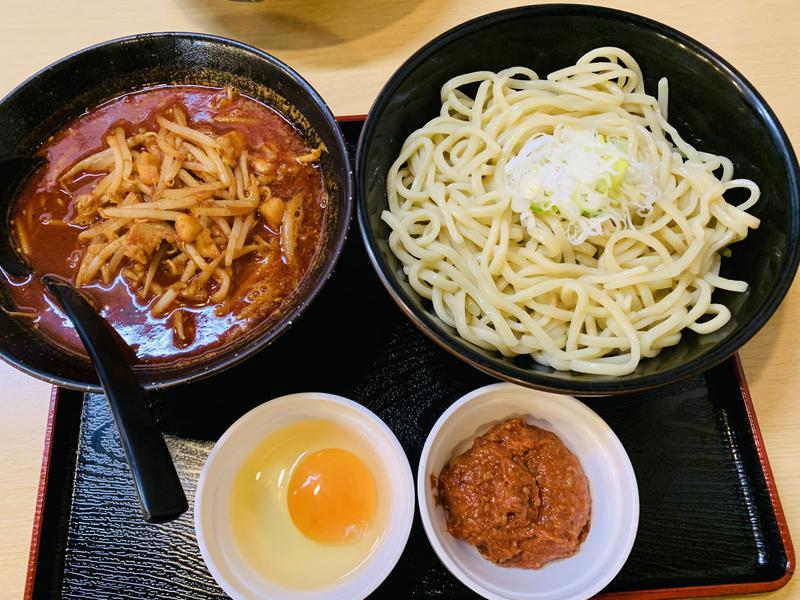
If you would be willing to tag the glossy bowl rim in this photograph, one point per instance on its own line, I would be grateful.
(232, 355)
(424, 321)
(401, 537)
(578, 411)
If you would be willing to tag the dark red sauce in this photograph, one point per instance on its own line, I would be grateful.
(45, 207)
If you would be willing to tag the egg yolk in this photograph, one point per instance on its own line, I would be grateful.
(331, 496)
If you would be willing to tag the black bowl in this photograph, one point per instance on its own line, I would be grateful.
(710, 103)
(51, 98)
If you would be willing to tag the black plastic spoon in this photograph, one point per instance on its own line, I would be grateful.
(157, 484)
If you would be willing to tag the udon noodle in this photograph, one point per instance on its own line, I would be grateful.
(564, 217)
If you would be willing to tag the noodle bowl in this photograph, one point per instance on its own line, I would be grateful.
(48, 102)
(565, 218)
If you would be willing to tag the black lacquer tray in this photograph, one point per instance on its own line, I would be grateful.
(711, 521)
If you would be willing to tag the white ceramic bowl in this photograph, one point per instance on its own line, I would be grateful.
(612, 484)
(212, 501)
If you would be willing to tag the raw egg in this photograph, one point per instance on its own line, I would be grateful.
(305, 505)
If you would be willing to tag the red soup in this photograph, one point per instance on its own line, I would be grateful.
(185, 213)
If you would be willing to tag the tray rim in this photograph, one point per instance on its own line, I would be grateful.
(644, 594)
(44, 470)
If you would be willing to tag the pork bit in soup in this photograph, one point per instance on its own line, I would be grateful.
(186, 213)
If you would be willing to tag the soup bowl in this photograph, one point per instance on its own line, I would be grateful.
(59, 93)
(712, 106)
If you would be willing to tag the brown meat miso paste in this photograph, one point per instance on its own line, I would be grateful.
(519, 495)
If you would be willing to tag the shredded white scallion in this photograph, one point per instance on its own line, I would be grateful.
(583, 177)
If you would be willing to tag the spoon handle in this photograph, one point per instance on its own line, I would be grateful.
(157, 485)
